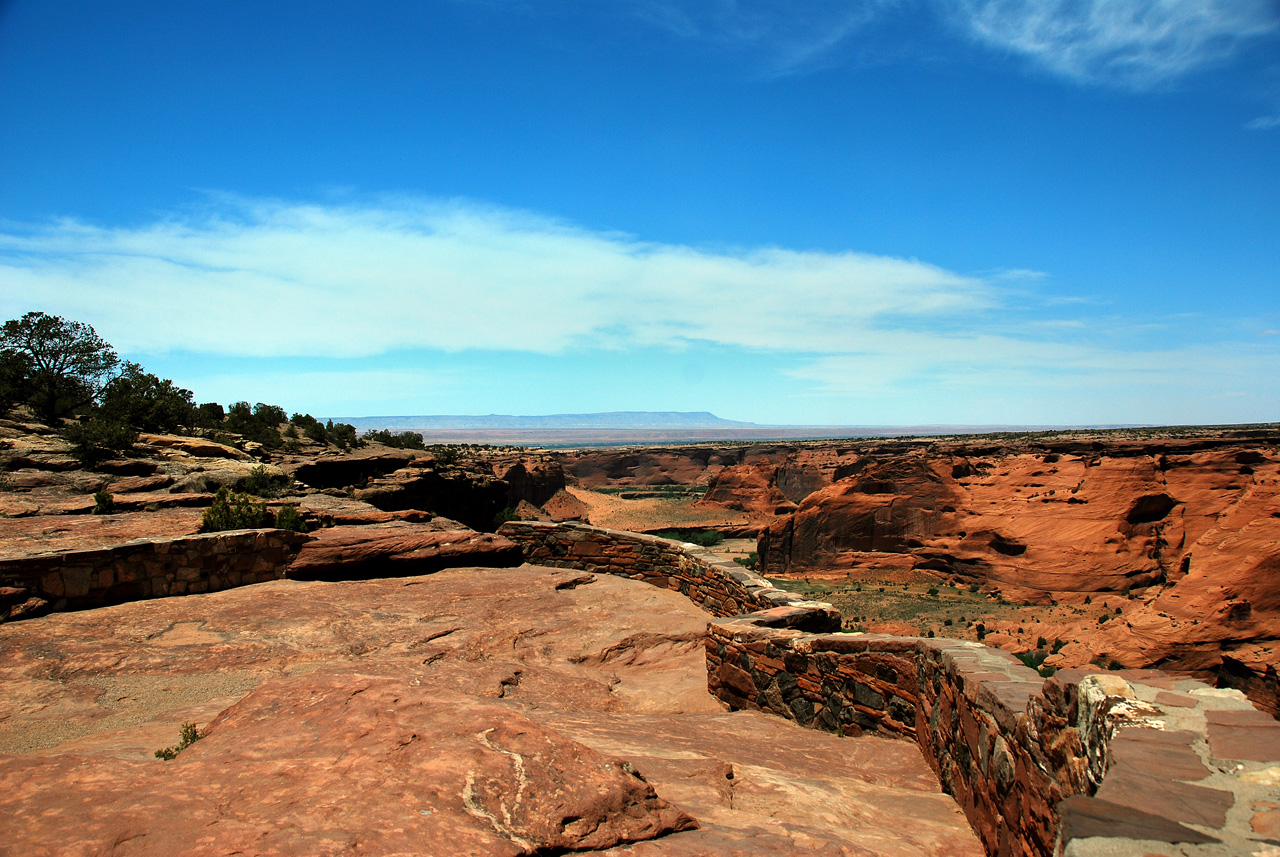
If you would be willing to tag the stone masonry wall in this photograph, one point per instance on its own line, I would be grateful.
(719, 586)
(1130, 764)
(145, 568)
(1078, 764)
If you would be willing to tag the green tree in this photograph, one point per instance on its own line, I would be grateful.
(66, 363)
(146, 402)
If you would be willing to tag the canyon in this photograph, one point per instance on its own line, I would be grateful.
(521, 689)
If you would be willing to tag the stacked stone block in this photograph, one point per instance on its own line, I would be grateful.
(146, 568)
(1076, 765)
(719, 586)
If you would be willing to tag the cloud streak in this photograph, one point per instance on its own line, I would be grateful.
(269, 278)
(264, 280)
(1134, 43)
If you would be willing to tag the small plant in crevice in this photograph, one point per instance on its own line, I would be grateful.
(103, 503)
(187, 736)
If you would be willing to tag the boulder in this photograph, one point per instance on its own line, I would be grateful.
(195, 447)
(473, 497)
(352, 468)
(563, 506)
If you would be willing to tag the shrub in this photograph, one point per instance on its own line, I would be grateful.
(403, 440)
(210, 415)
(933, 590)
(260, 483)
(506, 514)
(103, 503)
(234, 511)
(94, 441)
(147, 402)
(289, 518)
(343, 435)
(187, 736)
(749, 561)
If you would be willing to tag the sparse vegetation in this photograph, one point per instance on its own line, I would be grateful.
(260, 483)
(403, 440)
(233, 510)
(187, 736)
(749, 561)
(103, 503)
(95, 441)
(289, 518)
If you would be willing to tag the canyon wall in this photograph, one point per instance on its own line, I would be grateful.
(1081, 761)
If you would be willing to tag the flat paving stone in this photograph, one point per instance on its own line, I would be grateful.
(1252, 736)
(1131, 786)
(1157, 753)
(1083, 817)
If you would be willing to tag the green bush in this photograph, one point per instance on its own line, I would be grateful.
(95, 440)
(234, 511)
(262, 484)
(103, 503)
(403, 440)
(289, 518)
(749, 561)
(187, 736)
(146, 402)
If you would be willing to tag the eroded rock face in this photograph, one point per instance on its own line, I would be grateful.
(531, 479)
(1187, 528)
(364, 759)
(473, 497)
(748, 488)
(473, 711)
(353, 468)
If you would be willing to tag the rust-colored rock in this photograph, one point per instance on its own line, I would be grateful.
(563, 506)
(531, 479)
(748, 488)
(398, 548)
(397, 716)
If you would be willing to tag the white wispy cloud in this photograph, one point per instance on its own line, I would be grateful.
(248, 279)
(272, 278)
(1134, 43)
(792, 35)
(1263, 123)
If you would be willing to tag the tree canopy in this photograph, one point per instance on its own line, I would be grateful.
(57, 366)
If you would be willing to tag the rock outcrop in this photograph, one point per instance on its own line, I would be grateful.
(748, 488)
(530, 479)
(398, 548)
(1181, 533)
(516, 711)
(469, 495)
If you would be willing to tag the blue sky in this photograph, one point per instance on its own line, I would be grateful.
(884, 212)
